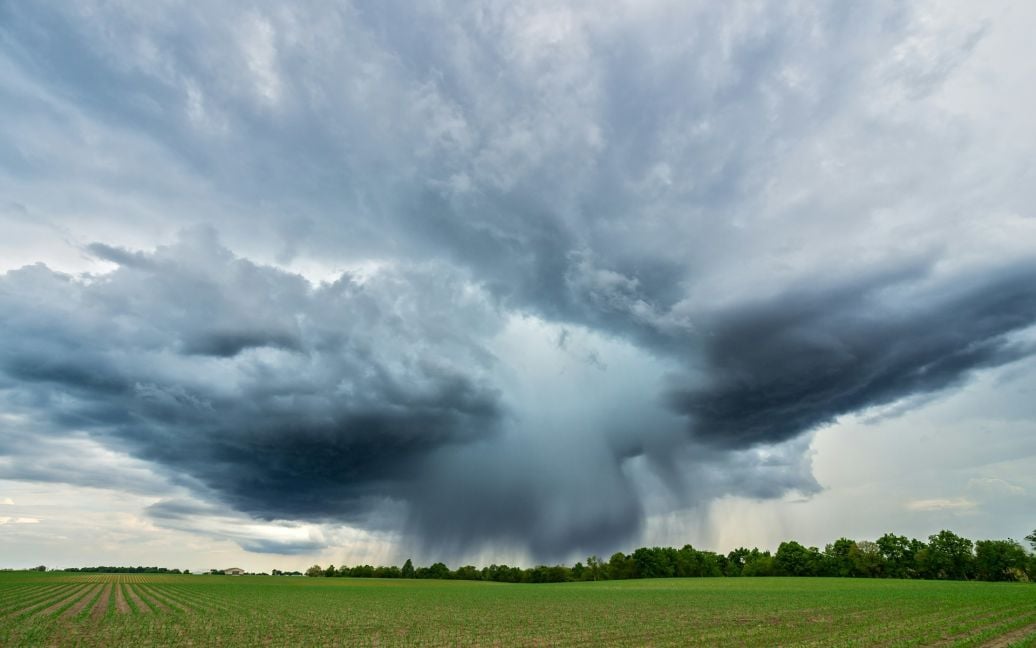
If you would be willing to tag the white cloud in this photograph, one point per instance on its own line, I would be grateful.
(941, 504)
(994, 487)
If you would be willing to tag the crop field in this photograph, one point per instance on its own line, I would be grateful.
(54, 609)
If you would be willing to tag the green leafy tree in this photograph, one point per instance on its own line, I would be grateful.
(950, 556)
(838, 558)
(736, 561)
(438, 570)
(578, 572)
(387, 572)
(330, 571)
(899, 555)
(1032, 539)
(594, 568)
(467, 572)
(621, 566)
(362, 571)
(759, 563)
(793, 559)
(654, 562)
(1000, 560)
(315, 570)
(867, 560)
(408, 569)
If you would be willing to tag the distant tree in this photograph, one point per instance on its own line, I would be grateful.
(387, 572)
(558, 574)
(1032, 539)
(654, 562)
(315, 570)
(621, 566)
(838, 558)
(408, 569)
(578, 572)
(1000, 560)
(898, 554)
(950, 556)
(594, 568)
(503, 574)
(467, 572)
(438, 570)
(40, 568)
(793, 559)
(362, 571)
(867, 560)
(759, 563)
(736, 561)
(330, 571)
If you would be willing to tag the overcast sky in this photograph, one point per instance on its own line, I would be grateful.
(524, 281)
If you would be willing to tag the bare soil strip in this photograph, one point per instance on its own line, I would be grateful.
(991, 621)
(121, 606)
(137, 601)
(1012, 637)
(934, 623)
(81, 604)
(102, 604)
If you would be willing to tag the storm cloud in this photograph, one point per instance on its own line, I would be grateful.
(493, 278)
(791, 363)
(285, 398)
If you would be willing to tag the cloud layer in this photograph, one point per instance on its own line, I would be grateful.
(495, 278)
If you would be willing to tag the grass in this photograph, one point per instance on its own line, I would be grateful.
(54, 609)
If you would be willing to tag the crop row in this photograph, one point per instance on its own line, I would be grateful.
(96, 599)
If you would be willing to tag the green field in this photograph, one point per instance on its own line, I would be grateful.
(47, 609)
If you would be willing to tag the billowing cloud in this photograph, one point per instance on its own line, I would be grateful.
(796, 361)
(515, 277)
(285, 398)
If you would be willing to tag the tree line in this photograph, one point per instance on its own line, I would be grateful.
(945, 556)
(126, 570)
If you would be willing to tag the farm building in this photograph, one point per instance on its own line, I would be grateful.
(233, 571)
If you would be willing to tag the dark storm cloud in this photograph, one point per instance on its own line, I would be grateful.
(673, 177)
(387, 392)
(230, 343)
(281, 547)
(310, 423)
(780, 367)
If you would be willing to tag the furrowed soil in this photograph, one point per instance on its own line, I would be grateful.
(55, 609)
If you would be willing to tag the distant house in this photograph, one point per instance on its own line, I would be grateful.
(233, 571)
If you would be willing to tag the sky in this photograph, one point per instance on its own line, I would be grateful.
(332, 282)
